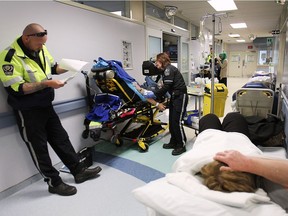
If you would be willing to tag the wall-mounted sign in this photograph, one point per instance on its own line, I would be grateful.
(276, 31)
(269, 41)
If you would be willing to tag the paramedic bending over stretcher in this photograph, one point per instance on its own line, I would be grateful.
(273, 173)
(174, 84)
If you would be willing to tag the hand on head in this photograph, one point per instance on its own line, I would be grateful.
(234, 160)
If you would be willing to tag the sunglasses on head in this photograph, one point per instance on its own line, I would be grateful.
(39, 34)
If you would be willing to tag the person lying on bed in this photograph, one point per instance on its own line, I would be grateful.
(148, 94)
(272, 169)
(228, 181)
(273, 173)
(233, 170)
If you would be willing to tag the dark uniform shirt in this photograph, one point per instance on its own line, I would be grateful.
(173, 82)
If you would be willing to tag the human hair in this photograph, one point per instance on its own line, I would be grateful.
(164, 59)
(227, 181)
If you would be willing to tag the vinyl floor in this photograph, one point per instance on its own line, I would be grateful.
(124, 169)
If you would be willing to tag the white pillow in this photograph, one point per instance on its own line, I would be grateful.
(172, 201)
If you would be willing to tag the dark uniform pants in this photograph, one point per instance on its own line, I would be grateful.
(39, 126)
(232, 122)
(177, 110)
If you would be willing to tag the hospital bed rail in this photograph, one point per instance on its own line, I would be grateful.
(254, 101)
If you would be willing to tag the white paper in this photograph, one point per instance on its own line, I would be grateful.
(65, 80)
(72, 65)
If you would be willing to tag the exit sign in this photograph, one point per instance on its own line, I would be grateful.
(269, 41)
(250, 47)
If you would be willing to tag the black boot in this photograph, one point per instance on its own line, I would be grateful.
(178, 151)
(87, 174)
(168, 146)
(63, 189)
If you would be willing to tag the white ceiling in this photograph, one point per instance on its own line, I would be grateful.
(261, 17)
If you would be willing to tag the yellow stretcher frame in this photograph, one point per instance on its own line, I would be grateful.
(145, 116)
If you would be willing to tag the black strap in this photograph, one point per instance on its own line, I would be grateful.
(9, 55)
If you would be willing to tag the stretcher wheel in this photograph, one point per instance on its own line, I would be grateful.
(143, 146)
(85, 134)
(115, 139)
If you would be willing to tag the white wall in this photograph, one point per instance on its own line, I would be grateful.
(241, 47)
(197, 51)
(165, 27)
(72, 33)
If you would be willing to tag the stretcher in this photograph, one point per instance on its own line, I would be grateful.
(254, 101)
(119, 103)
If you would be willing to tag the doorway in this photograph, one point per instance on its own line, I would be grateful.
(242, 64)
(170, 46)
(178, 51)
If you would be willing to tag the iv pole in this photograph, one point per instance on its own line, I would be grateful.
(213, 58)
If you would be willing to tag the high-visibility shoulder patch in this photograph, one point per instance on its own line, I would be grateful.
(167, 72)
(9, 55)
(8, 69)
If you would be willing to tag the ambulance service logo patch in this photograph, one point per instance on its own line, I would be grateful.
(167, 72)
(8, 69)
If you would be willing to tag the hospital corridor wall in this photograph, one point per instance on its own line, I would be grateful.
(73, 33)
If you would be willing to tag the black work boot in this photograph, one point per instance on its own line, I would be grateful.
(178, 151)
(63, 189)
(87, 174)
(168, 146)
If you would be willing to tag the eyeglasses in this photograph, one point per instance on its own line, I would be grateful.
(39, 34)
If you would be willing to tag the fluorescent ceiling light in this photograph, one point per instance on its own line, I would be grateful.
(238, 25)
(223, 5)
(119, 13)
(234, 35)
(240, 41)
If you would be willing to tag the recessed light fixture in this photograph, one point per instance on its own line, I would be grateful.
(223, 5)
(252, 37)
(240, 40)
(234, 35)
(282, 2)
(238, 25)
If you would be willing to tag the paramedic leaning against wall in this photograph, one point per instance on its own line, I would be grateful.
(26, 69)
(174, 84)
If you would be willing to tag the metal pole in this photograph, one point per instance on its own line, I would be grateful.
(213, 58)
(213, 65)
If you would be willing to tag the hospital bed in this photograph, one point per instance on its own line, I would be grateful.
(267, 78)
(255, 98)
(179, 194)
(254, 101)
(122, 104)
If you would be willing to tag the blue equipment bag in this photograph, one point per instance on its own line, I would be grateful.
(105, 107)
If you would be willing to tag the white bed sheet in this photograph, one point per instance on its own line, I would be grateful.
(165, 197)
